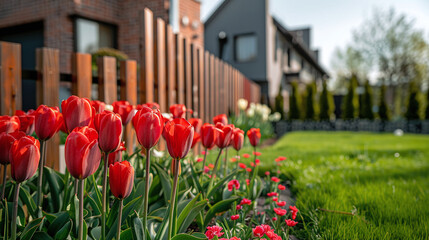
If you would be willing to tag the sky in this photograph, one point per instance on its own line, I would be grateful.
(333, 21)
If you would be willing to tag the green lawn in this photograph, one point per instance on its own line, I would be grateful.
(382, 178)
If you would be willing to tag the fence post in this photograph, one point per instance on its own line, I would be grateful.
(212, 87)
(160, 65)
(206, 86)
(82, 75)
(47, 92)
(188, 76)
(195, 74)
(107, 79)
(147, 58)
(128, 79)
(201, 67)
(171, 67)
(180, 69)
(10, 82)
(10, 78)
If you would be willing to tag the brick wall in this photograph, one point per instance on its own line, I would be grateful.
(58, 17)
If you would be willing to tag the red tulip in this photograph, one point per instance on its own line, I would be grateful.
(24, 158)
(148, 124)
(237, 139)
(254, 135)
(195, 139)
(221, 118)
(121, 179)
(125, 110)
(109, 127)
(6, 141)
(196, 123)
(208, 135)
(223, 135)
(9, 124)
(77, 112)
(82, 154)
(178, 134)
(116, 156)
(48, 121)
(179, 110)
(152, 105)
(290, 223)
(26, 120)
(99, 106)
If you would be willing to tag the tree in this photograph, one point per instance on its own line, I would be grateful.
(279, 103)
(383, 110)
(366, 108)
(413, 106)
(325, 109)
(294, 101)
(309, 108)
(427, 105)
(351, 100)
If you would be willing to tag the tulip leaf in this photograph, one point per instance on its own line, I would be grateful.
(58, 223)
(113, 214)
(186, 210)
(41, 236)
(64, 232)
(127, 234)
(98, 193)
(137, 227)
(93, 204)
(183, 236)
(50, 216)
(195, 179)
(218, 185)
(55, 184)
(165, 182)
(31, 228)
(131, 206)
(193, 213)
(96, 232)
(28, 200)
(221, 206)
(4, 217)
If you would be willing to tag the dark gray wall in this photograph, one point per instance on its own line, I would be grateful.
(236, 17)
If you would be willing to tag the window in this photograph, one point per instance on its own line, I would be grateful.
(245, 48)
(91, 35)
(289, 57)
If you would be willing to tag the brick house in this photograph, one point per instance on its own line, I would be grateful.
(87, 25)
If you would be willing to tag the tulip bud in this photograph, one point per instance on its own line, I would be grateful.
(48, 121)
(116, 156)
(178, 134)
(178, 110)
(254, 135)
(26, 121)
(208, 135)
(9, 124)
(223, 135)
(196, 123)
(77, 112)
(221, 118)
(238, 139)
(109, 126)
(121, 179)
(24, 158)
(125, 110)
(6, 141)
(82, 154)
(148, 124)
(99, 106)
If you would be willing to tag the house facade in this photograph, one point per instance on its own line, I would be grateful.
(244, 34)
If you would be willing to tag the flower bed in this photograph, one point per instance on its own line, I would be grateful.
(107, 194)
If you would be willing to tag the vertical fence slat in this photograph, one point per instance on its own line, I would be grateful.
(180, 69)
(161, 68)
(212, 87)
(195, 96)
(81, 75)
(107, 83)
(10, 78)
(201, 73)
(171, 67)
(47, 92)
(147, 58)
(188, 75)
(128, 79)
(207, 86)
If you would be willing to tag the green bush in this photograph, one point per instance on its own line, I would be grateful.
(413, 106)
(294, 101)
(279, 103)
(366, 109)
(325, 109)
(383, 110)
(309, 108)
(351, 100)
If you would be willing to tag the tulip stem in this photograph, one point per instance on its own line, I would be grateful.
(3, 188)
(81, 189)
(103, 212)
(214, 170)
(15, 210)
(39, 202)
(225, 169)
(205, 156)
(118, 234)
(146, 192)
(173, 199)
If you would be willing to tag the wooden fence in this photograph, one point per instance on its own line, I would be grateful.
(172, 70)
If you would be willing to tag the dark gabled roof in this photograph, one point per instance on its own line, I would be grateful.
(215, 12)
(298, 46)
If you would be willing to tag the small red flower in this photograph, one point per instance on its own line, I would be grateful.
(248, 169)
(233, 184)
(199, 160)
(214, 231)
(245, 201)
(274, 219)
(252, 164)
(206, 169)
(246, 155)
(239, 207)
(242, 165)
(211, 166)
(267, 173)
(279, 159)
(281, 187)
(272, 194)
(294, 211)
(233, 160)
(281, 203)
(256, 153)
(290, 222)
(257, 161)
(275, 199)
(280, 211)
(235, 217)
(275, 179)
(258, 231)
(247, 182)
